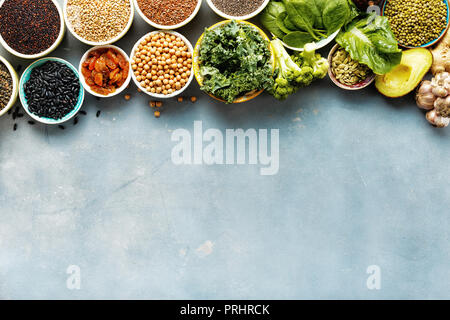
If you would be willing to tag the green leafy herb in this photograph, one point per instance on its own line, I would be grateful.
(291, 19)
(234, 60)
(370, 41)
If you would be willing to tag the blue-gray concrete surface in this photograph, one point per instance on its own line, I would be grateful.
(363, 180)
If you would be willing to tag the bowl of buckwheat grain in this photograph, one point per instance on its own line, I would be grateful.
(98, 23)
(167, 14)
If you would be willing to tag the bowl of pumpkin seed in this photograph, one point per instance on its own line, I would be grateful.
(347, 73)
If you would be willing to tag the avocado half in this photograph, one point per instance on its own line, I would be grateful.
(405, 77)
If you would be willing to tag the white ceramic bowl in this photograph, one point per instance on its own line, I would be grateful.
(118, 90)
(164, 27)
(156, 95)
(15, 88)
(93, 43)
(26, 75)
(228, 17)
(319, 44)
(58, 40)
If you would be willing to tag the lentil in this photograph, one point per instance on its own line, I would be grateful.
(29, 26)
(162, 63)
(416, 22)
(346, 70)
(127, 97)
(105, 70)
(52, 90)
(237, 8)
(98, 21)
(167, 12)
(6, 84)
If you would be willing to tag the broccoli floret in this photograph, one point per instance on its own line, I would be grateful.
(296, 71)
(315, 61)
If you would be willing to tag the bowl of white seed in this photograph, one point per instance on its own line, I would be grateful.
(98, 23)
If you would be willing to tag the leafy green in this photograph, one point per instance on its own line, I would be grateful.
(291, 19)
(269, 17)
(234, 60)
(370, 41)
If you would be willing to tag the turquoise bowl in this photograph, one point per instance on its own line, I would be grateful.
(435, 41)
(26, 76)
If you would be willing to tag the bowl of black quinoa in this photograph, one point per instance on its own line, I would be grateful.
(9, 86)
(237, 9)
(31, 29)
(50, 91)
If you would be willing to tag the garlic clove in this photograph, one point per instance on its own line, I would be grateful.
(437, 121)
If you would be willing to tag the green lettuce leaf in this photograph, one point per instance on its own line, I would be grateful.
(370, 41)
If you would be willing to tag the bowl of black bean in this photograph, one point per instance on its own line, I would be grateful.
(50, 91)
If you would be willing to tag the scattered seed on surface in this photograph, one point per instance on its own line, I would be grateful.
(98, 113)
(83, 112)
(180, 99)
(127, 97)
(15, 127)
(157, 114)
(61, 127)
(75, 121)
(193, 99)
(158, 104)
(32, 123)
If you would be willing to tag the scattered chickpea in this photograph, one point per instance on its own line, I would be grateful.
(180, 99)
(193, 99)
(158, 104)
(157, 114)
(152, 104)
(127, 97)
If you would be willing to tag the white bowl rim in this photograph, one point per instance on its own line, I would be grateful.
(172, 27)
(319, 44)
(118, 90)
(15, 88)
(43, 53)
(43, 120)
(246, 17)
(191, 77)
(104, 43)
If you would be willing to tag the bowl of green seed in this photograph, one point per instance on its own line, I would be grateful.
(417, 23)
(9, 86)
(347, 73)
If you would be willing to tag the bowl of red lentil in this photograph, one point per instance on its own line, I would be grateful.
(98, 23)
(161, 63)
(168, 14)
(31, 29)
(9, 86)
(237, 9)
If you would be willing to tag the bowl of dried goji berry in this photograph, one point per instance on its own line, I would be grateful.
(105, 71)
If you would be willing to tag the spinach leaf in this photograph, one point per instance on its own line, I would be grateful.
(280, 23)
(301, 13)
(269, 17)
(335, 14)
(370, 41)
(297, 39)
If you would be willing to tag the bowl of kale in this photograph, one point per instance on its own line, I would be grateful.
(233, 61)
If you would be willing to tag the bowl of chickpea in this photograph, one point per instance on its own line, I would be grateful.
(161, 62)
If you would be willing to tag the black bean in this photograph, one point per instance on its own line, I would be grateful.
(61, 127)
(98, 113)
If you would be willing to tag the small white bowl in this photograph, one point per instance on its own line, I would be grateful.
(58, 40)
(176, 93)
(93, 43)
(118, 90)
(319, 44)
(228, 17)
(15, 88)
(164, 27)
